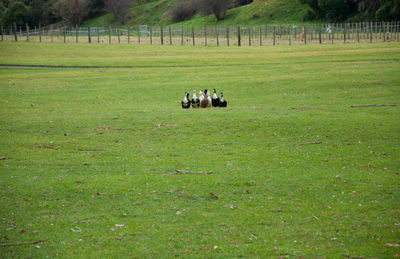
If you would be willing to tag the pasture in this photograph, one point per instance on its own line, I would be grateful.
(88, 155)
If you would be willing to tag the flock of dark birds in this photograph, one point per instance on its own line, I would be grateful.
(204, 100)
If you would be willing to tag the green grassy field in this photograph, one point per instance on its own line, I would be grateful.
(87, 155)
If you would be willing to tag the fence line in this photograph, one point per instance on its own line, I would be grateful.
(217, 35)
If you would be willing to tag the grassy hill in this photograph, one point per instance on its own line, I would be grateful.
(258, 12)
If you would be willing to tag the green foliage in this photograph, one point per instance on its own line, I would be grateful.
(340, 10)
(95, 8)
(41, 11)
(86, 154)
(16, 12)
(32, 12)
(314, 10)
(336, 10)
(389, 10)
(2, 12)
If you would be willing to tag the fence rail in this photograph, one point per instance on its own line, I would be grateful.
(217, 35)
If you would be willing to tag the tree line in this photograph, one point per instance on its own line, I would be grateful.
(357, 10)
(73, 12)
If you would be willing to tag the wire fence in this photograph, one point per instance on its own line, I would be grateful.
(215, 35)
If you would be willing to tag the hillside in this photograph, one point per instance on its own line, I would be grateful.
(258, 12)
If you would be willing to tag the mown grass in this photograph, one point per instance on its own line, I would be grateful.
(85, 149)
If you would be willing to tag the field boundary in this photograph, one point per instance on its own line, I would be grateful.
(214, 35)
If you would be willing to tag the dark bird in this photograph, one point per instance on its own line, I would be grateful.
(205, 100)
(186, 101)
(222, 101)
(215, 99)
(195, 100)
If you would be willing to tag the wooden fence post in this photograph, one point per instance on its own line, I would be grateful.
(109, 34)
(2, 33)
(274, 35)
(290, 34)
(76, 34)
(65, 33)
(370, 32)
(319, 32)
(205, 35)
(51, 33)
(193, 40)
(260, 34)
(238, 35)
(216, 34)
(182, 34)
(170, 35)
(357, 34)
(40, 33)
(162, 35)
(129, 34)
(119, 38)
(15, 32)
(227, 35)
(138, 34)
(344, 33)
(89, 36)
(384, 31)
(27, 32)
(98, 34)
(249, 28)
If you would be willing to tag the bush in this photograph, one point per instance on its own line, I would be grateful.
(218, 8)
(183, 10)
(118, 8)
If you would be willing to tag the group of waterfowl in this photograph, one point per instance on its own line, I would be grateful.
(204, 101)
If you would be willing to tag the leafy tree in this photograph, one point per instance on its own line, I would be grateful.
(16, 12)
(367, 8)
(72, 11)
(41, 11)
(2, 12)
